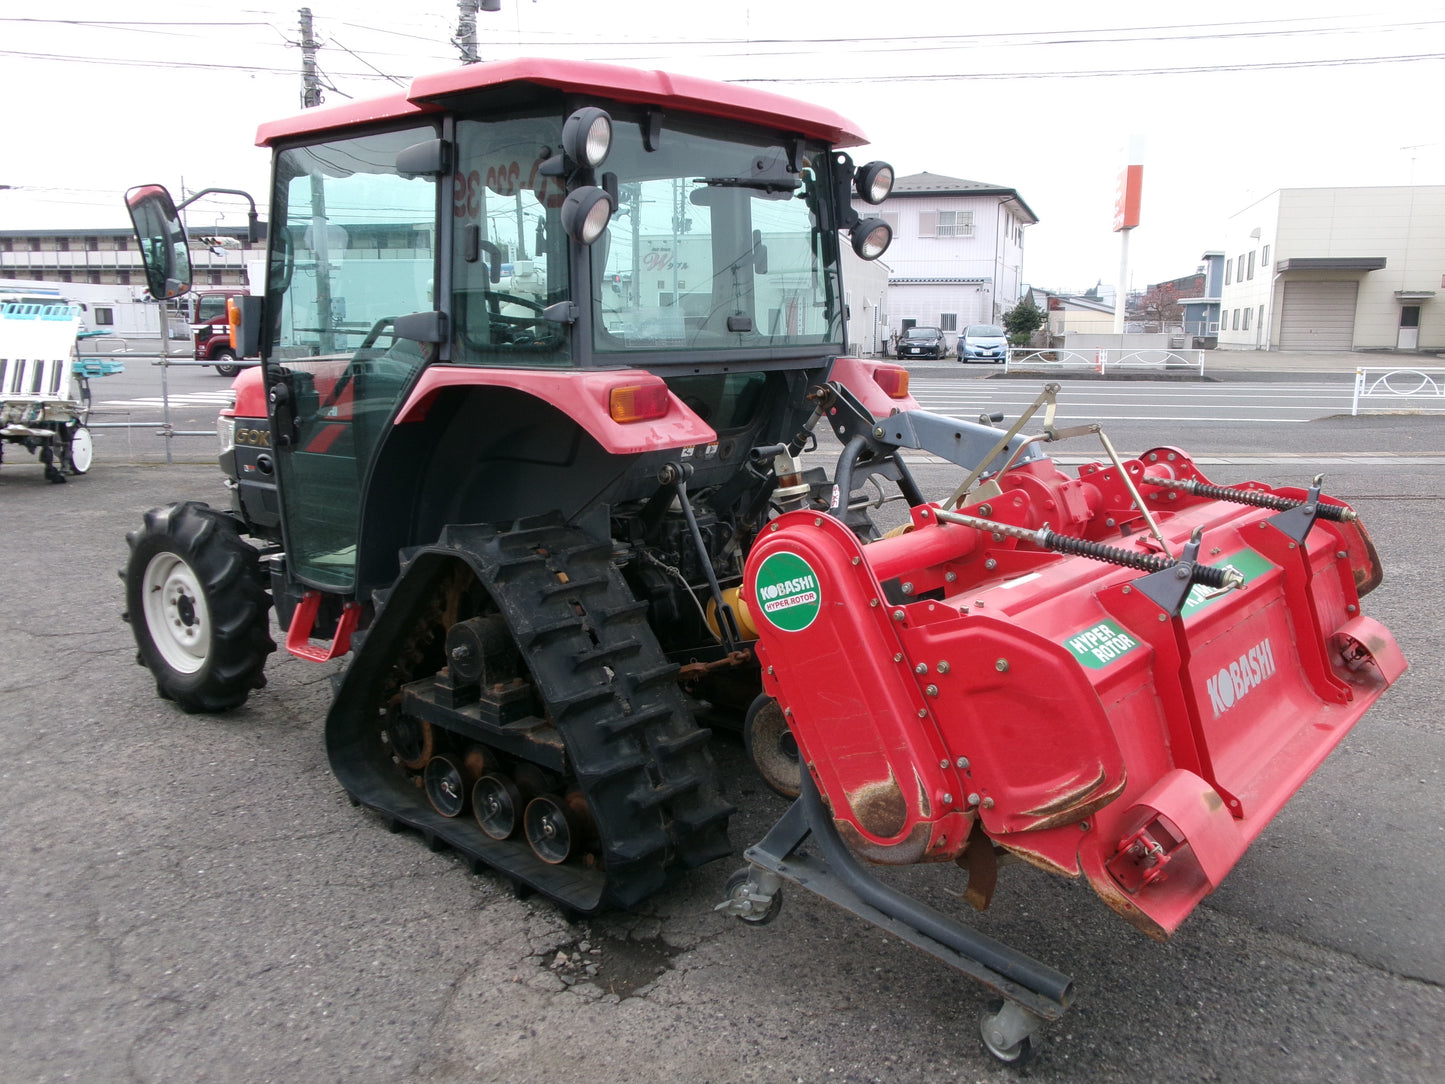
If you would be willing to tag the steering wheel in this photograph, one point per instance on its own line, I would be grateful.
(515, 330)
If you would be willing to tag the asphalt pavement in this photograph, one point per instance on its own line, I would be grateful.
(189, 897)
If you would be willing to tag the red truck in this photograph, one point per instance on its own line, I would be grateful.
(212, 331)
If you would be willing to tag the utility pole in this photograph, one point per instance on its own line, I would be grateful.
(467, 26)
(310, 84)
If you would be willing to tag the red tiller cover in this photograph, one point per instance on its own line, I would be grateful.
(1046, 696)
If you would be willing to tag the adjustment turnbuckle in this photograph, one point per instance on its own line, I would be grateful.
(1336, 512)
(1219, 578)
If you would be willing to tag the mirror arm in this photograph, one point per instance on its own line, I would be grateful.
(253, 226)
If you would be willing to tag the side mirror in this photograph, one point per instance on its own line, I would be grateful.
(164, 249)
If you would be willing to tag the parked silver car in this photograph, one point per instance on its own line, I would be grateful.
(982, 342)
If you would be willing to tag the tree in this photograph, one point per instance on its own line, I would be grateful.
(1021, 322)
(1161, 307)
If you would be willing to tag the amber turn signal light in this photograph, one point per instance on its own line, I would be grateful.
(894, 382)
(233, 317)
(637, 402)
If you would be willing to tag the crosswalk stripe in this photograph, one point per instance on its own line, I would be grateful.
(199, 398)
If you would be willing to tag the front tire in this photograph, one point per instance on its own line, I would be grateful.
(79, 449)
(197, 608)
(226, 363)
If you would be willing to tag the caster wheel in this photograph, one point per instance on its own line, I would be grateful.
(761, 912)
(998, 1029)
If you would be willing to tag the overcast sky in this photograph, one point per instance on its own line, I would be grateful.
(1235, 98)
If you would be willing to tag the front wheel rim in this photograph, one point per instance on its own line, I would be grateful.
(176, 614)
(82, 450)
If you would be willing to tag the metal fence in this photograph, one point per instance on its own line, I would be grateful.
(163, 428)
(1393, 384)
(1104, 360)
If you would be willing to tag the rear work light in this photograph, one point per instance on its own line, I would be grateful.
(637, 402)
(894, 382)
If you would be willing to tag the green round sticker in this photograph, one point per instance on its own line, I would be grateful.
(787, 591)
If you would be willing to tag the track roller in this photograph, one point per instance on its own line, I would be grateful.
(445, 788)
(497, 805)
(552, 829)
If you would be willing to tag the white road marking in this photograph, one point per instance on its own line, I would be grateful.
(194, 398)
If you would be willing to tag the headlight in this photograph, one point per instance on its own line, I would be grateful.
(874, 182)
(587, 136)
(226, 431)
(585, 213)
(871, 238)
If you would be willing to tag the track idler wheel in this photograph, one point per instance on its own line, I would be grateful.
(412, 740)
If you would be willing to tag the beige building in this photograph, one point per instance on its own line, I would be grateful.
(1336, 269)
(111, 257)
(1072, 314)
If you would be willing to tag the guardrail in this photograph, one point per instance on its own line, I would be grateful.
(1399, 383)
(1106, 360)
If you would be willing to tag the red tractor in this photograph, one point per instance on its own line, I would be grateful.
(541, 347)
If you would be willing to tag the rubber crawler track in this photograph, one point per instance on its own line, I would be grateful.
(630, 741)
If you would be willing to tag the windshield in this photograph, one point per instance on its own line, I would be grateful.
(714, 245)
(921, 333)
(210, 307)
(983, 331)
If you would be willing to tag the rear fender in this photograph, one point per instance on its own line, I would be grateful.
(583, 395)
(861, 378)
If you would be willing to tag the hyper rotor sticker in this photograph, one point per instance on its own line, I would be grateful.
(788, 591)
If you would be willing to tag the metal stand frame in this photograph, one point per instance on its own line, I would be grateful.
(1038, 990)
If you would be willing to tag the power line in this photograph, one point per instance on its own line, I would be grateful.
(124, 22)
(368, 63)
(167, 64)
(1024, 38)
(1103, 73)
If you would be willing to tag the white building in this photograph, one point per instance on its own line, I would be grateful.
(865, 297)
(957, 251)
(1336, 269)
